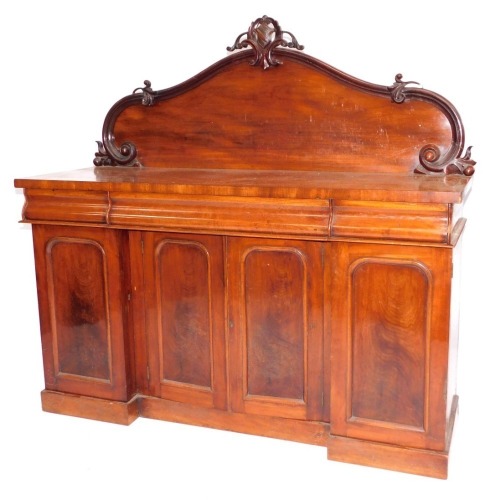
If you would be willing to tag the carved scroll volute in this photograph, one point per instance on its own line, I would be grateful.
(431, 160)
(148, 94)
(108, 154)
(398, 88)
(263, 36)
(432, 163)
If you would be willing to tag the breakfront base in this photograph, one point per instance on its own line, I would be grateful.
(385, 456)
(115, 412)
(260, 425)
(342, 449)
(143, 406)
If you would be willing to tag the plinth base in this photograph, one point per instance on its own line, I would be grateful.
(343, 449)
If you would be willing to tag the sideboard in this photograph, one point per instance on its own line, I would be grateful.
(271, 247)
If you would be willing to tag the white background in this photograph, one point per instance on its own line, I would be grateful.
(62, 65)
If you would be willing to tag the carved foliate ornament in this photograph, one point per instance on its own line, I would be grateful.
(431, 159)
(263, 36)
(398, 88)
(147, 93)
(432, 163)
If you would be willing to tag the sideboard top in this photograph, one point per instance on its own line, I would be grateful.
(259, 183)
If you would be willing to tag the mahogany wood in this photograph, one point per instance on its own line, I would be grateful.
(302, 431)
(278, 116)
(386, 344)
(184, 297)
(270, 248)
(74, 405)
(275, 327)
(82, 289)
(244, 183)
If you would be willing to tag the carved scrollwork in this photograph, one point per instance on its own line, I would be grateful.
(432, 163)
(123, 156)
(263, 36)
(265, 41)
(108, 154)
(398, 88)
(147, 93)
(102, 158)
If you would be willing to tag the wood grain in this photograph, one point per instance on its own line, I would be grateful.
(184, 324)
(82, 289)
(81, 324)
(115, 412)
(292, 183)
(390, 342)
(289, 117)
(255, 251)
(309, 432)
(275, 327)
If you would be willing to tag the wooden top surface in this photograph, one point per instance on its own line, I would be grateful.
(259, 183)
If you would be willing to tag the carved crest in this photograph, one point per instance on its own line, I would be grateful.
(263, 36)
(431, 160)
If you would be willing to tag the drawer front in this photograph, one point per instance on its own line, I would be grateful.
(222, 215)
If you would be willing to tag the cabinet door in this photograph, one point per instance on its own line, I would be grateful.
(275, 293)
(184, 295)
(83, 303)
(390, 342)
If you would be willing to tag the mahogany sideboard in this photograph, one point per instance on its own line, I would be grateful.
(270, 247)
